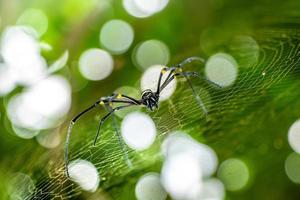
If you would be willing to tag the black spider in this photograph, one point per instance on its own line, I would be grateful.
(149, 100)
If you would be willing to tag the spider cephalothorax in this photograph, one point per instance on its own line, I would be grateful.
(149, 99)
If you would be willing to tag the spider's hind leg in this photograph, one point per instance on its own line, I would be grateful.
(121, 142)
(190, 60)
(108, 103)
(197, 97)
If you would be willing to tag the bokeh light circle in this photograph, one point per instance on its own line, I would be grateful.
(245, 49)
(7, 80)
(294, 136)
(153, 6)
(21, 53)
(131, 7)
(292, 166)
(181, 176)
(49, 139)
(178, 142)
(144, 8)
(34, 18)
(222, 69)
(41, 106)
(138, 130)
(25, 133)
(149, 80)
(212, 189)
(21, 186)
(151, 52)
(234, 173)
(149, 187)
(116, 36)
(84, 174)
(95, 64)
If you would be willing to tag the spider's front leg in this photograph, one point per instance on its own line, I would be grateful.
(177, 71)
(186, 75)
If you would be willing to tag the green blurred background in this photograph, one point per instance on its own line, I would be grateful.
(249, 120)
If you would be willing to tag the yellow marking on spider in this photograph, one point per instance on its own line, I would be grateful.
(101, 103)
(180, 69)
(110, 104)
(119, 96)
(163, 71)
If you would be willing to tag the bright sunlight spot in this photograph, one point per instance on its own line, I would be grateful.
(138, 130)
(222, 69)
(116, 36)
(178, 142)
(212, 189)
(144, 8)
(84, 174)
(294, 136)
(182, 176)
(151, 52)
(95, 64)
(149, 187)
(41, 106)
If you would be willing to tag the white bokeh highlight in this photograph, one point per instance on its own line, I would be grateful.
(7, 80)
(181, 176)
(149, 187)
(144, 8)
(41, 106)
(21, 53)
(151, 52)
(294, 136)
(24, 133)
(84, 174)
(138, 130)
(116, 36)
(222, 69)
(95, 64)
(212, 189)
(149, 80)
(180, 143)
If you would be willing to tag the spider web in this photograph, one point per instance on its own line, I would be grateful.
(268, 80)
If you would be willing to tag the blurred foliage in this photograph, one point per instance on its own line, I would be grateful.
(249, 120)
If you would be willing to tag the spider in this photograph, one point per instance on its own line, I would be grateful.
(149, 100)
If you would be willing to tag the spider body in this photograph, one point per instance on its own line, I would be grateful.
(149, 99)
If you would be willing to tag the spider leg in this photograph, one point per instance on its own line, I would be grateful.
(73, 121)
(197, 97)
(186, 75)
(191, 59)
(196, 74)
(121, 142)
(162, 72)
(106, 117)
(117, 98)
